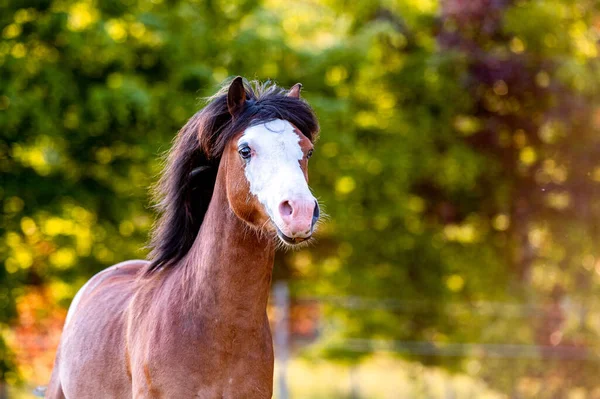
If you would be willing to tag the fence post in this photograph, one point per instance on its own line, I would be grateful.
(354, 384)
(449, 388)
(281, 293)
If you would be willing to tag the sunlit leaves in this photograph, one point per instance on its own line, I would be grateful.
(457, 159)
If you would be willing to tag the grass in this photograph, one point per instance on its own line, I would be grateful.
(379, 377)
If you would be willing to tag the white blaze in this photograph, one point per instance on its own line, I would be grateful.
(273, 170)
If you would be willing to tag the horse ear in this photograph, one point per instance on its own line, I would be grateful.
(295, 90)
(236, 97)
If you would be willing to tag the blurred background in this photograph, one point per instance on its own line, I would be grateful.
(459, 161)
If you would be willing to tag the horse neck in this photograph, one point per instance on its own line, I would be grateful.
(228, 269)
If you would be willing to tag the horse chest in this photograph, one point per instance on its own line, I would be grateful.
(247, 379)
(228, 383)
(212, 363)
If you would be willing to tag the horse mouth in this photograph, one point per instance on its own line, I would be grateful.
(290, 240)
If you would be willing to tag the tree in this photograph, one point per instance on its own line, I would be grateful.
(457, 158)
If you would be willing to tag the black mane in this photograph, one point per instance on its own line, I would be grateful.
(188, 179)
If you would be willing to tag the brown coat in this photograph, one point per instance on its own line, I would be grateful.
(192, 322)
(198, 330)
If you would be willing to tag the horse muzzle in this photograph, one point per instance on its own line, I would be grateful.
(298, 220)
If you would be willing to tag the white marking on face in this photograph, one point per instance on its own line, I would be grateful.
(274, 171)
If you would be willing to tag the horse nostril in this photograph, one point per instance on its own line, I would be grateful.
(316, 214)
(285, 209)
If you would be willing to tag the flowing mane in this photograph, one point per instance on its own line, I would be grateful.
(188, 179)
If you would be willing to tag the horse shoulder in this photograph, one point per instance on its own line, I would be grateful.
(127, 268)
(93, 350)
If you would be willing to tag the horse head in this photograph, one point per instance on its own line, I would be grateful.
(267, 170)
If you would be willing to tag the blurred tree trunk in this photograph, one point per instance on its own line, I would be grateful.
(3, 390)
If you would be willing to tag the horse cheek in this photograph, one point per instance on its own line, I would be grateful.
(244, 204)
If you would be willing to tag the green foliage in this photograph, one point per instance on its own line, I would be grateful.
(457, 158)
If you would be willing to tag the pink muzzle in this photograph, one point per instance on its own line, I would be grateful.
(298, 218)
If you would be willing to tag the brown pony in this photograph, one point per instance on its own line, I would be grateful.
(192, 322)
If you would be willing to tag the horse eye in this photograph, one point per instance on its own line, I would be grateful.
(245, 152)
(309, 154)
